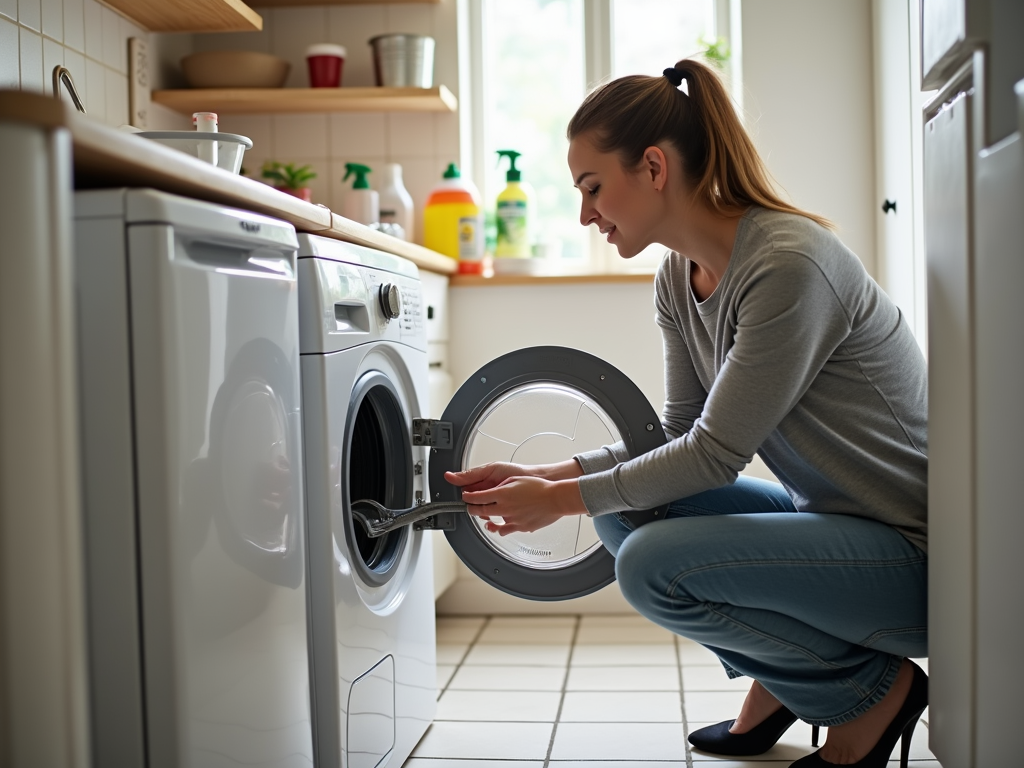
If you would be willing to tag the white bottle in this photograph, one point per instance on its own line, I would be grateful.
(206, 122)
(395, 200)
(360, 203)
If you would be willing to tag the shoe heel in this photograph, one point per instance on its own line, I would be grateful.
(814, 735)
(905, 739)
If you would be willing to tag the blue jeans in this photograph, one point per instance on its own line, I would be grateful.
(820, 608)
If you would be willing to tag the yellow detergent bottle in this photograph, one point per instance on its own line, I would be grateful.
(514, 215)
(453, 221)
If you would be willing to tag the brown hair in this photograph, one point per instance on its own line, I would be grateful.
(635, 112)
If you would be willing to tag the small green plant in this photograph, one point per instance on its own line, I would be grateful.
(716, 50)
(287, 175)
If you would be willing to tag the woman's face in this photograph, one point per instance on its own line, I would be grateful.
(621, 203)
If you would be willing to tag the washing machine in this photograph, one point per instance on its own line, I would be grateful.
(371, 600)
(187, 323)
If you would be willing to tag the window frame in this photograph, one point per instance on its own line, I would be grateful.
(598, 52)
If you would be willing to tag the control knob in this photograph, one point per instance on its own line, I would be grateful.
(390, 301)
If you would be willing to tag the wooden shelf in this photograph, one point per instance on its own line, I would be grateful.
(466, 281)
(250, 101)
(190, 15)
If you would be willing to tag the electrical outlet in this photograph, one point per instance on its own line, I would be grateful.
(138, 82)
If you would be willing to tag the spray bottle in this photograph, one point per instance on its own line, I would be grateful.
(514, 214)
(360, 203)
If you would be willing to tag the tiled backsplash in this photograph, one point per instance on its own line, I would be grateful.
(92, 41)
(89, 39)
(423, 143)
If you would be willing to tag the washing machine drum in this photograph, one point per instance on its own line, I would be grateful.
(538, 406)
(377, 464)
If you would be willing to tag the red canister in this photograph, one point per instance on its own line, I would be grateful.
(325, 63)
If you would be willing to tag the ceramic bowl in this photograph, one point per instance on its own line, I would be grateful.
(234, 69)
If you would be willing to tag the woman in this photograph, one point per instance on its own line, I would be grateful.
(776, 342)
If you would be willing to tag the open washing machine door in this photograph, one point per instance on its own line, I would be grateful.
(536, 406)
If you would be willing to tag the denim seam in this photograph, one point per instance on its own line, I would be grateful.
(803, 651)
(774, 561)
(883, 633)
(876, 695)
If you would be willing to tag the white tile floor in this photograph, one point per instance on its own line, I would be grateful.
(586, 692)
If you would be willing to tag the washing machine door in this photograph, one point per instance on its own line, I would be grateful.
(537, 406)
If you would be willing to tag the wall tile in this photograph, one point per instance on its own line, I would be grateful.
(93, 30)
(294, 29)
(256, 127)
(9, 8)
(75, 62)
(117, 98)
(446, 135)
(53, 19)
(129, 29)
(411, 134)
(10, 61)
(446, 38)
(53, 56)
(112, 39)
(410, 19)
(31, 57)
(357, 133)
(30, 14)
(74, 25)
(353, 26)
(96, 85)
(300, 135)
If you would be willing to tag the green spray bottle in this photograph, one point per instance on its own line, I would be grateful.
(360, 203)
(514, 211)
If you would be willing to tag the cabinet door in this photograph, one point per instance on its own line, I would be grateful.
(951, 470)
(536, 406)
(894, 169)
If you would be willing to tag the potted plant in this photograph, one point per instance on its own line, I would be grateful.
(289, 178)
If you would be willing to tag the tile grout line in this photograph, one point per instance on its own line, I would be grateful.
(682, 703)
(565, 685)
(462, 659)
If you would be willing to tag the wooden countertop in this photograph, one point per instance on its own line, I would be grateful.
(467, 281)
(105, 157)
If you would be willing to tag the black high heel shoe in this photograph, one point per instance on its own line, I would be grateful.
(759, 739)
(901, 728)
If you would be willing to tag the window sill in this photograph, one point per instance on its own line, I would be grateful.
(472, 281)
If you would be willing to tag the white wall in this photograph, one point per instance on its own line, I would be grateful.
(807, 76)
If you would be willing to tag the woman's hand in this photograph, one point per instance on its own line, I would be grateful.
(525, 504)
(491, 475)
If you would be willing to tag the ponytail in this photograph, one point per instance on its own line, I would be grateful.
(635, 112)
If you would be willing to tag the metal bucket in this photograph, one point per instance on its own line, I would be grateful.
(403, 61)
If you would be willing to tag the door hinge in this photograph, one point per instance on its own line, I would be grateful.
(432, 433)
(443, 521)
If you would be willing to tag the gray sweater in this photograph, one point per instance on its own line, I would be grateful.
(797, 356)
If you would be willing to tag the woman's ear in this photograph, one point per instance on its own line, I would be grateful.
(655, 166)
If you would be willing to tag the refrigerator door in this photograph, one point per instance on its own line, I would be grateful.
(999, 355)
(948, 187)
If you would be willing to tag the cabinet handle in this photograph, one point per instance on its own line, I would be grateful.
(889, 205)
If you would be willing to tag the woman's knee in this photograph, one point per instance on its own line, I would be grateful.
(637, 565)
(612, 532)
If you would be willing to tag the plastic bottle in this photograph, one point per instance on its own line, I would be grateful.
(206, 122)
(453, 221)
(395, 200)
(514, 214)
(360, 203)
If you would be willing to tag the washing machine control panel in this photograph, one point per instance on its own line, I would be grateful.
(399, 307)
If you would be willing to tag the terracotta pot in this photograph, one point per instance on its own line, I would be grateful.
(304, 193)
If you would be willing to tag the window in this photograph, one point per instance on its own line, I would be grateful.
(535, 59)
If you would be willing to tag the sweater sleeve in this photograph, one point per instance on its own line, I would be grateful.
(789, 322)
